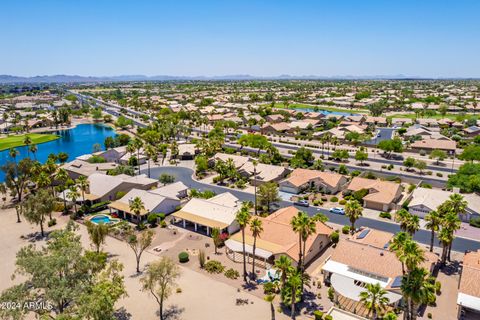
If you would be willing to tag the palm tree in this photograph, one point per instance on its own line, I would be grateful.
(136, 206)
(374, 299)
(83, 184)
(243, 219)
(417, 288)
(13, 153)
(73, 194)
(397, 246)
(152, 154)
(457, 204)
(33, 149)
(294, 284)
(353, 210)
(412, 255)
(62, 176)
(402, 217)
(412, 224)
(269, 298)
(27, 141)
(434, 221)
(284, 265)
(451, 223)
(256, 228)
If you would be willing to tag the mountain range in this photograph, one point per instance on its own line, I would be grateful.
(10, 79)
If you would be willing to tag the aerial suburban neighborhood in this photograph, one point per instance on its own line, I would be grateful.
(237, 197)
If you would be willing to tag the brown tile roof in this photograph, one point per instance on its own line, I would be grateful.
(301, 176)
(380, 191)
(470, 279)
(278, 236)
(373, 237)
(435, 144)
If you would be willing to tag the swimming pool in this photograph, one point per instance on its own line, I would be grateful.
(104, 219)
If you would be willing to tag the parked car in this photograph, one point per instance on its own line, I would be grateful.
(337, 210)
(302, 203)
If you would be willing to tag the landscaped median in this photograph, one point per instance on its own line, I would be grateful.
(19, 140)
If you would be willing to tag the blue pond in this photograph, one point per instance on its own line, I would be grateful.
(75, 142)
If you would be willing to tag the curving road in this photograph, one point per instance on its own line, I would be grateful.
(423, 236)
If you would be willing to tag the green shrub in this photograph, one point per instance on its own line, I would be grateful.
(345, 229)
(99, 205)
(385, 215)
(152, 219)
(318, 314)
(342, 202)
(331, 294)
(232, 274)
(335, 237)
(120, 194)
(439, 174)
(334, 199)
(52, 222)
(328, 317)
(183, 257)
(163, 224)
(214, 266)
(269, 287)
(475, 222)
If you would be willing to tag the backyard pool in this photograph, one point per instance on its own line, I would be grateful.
(103, 219)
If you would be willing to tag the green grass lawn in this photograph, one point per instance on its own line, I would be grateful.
(326, 108)
(17, 140)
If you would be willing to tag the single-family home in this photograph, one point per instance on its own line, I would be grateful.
(423, 201)
(468, 299)
(471, 131)
(187, 151)
(279, 239)
(106, 188)
(78, 168)
(428, 145)
(362, 259)
(302, 179)
(202, 215)
(381, 195)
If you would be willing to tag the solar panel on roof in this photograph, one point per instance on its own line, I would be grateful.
(397, 282)
(363, 234)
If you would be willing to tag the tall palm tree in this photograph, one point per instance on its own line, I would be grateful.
(451, 222)
(417, 288)
(374, 299)
(284, 265)
(33, 149)
(27, 141)
(62, 177)
(243, 219)
(73, 194)
(433, 224)
(412, 224)
(83, 185)
(353, 210)
(294, 284)
(256, 228)
(13, 153)
(136, 206)
(397, 246)
(457, 204)
(138, 144)
(413, 255)
(152, 154)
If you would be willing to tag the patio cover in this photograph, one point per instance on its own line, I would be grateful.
(237, 247)
(468, 301)
(344, 270)
(199, 220)
(347, 288)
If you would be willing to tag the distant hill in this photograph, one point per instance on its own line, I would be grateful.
(9, 79)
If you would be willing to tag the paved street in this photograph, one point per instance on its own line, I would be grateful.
(422, 236)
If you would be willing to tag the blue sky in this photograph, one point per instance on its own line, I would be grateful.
(114, 37)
